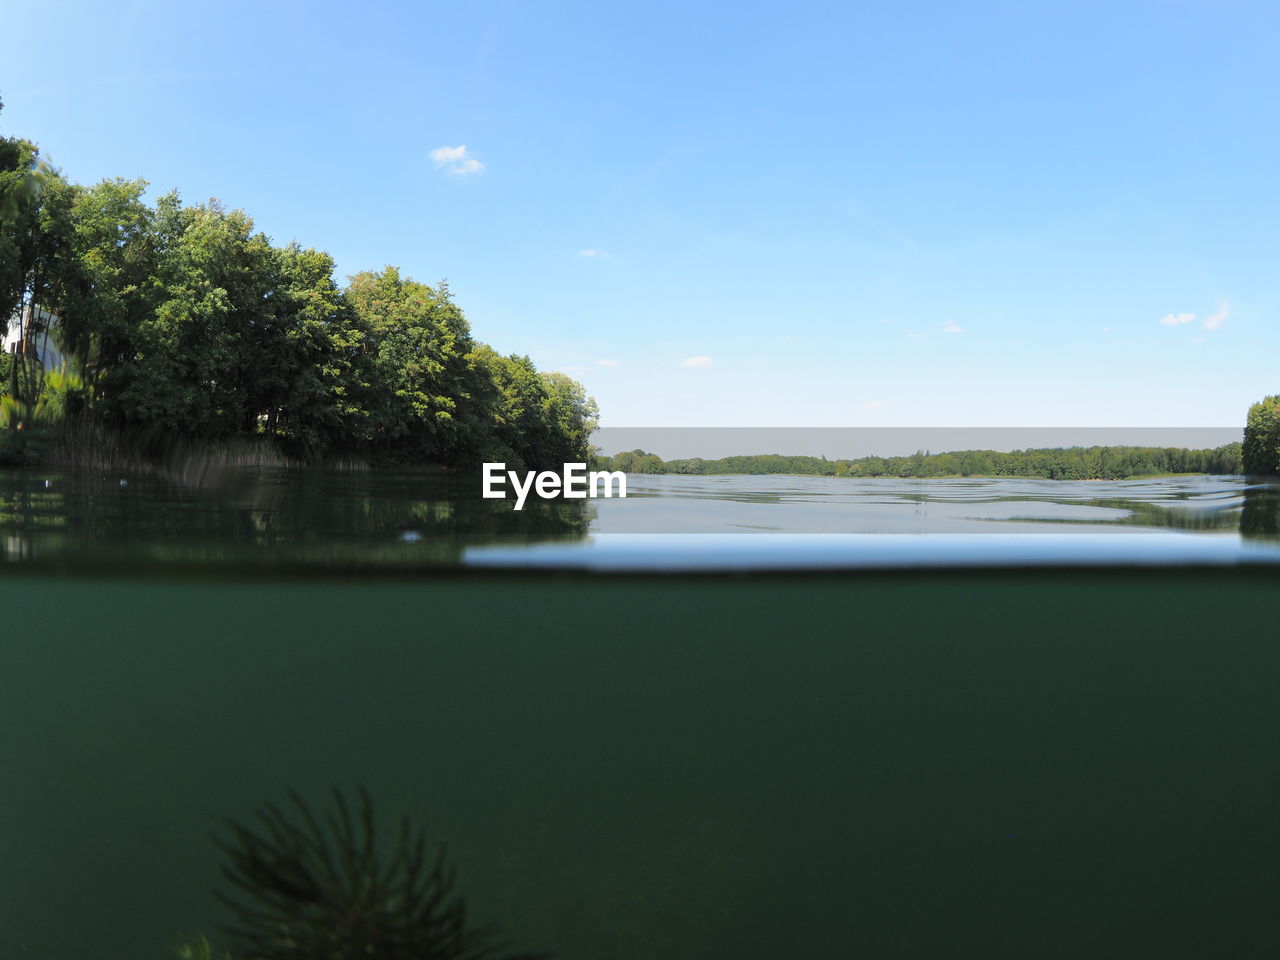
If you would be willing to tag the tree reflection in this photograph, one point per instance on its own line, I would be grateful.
(1260, 518)
(263, 520)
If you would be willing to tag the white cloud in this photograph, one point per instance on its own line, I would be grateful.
(916, 336)
(701, 360)
(593, 253)
(1107, 329)
(443, 155)
(1197, 339)
(607, 363)
(874, 405)
(456, 160)
(1217, 320)
(1175, 319)
(952, 327)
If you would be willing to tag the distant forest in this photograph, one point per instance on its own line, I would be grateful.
(1074, 463)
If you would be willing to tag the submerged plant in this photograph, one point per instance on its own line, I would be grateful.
(313, 888)
(199, 948)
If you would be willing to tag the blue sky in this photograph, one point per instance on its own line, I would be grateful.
(738, 214)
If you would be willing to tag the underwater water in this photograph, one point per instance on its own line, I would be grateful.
(1048, 757)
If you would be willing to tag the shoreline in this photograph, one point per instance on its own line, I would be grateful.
(946, 476)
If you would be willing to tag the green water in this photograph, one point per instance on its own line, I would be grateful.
(894, 765)
(927, 763)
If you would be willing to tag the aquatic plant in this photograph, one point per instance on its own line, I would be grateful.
(199, 948)
(312, 888)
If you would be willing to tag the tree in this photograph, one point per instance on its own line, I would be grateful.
(316, 393)
(205, 336)
(1261, 449)
(419, 341)
(19, 197)
(109, 287)
(187, 323)
(571, 417)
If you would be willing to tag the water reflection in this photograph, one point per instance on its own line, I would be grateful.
(673, 504)
(274, 520)
(1260, 518)
(267, 519)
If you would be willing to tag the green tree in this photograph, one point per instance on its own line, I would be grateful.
(205, 338)
(571, 417)
(186, 322)
(1260, 452)
(19, 199)
(109, 287)
(315, 386)
(34, 229)
(419, 340)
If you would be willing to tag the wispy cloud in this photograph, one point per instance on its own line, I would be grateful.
(607, 363)
(874, 405)
(952, 327)
(1216, 320)
(456, 160)
(593, 253)
(701, 360)
(1177, 319)
(575, 369)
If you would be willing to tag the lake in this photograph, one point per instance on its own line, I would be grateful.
(978, 718)
(284, 523)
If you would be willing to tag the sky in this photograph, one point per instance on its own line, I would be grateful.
(738, 214)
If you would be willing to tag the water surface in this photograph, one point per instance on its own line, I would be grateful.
(280, 521)
(890, 725)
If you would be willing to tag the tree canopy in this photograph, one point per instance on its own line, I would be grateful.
(186, 322)
(1262, 437)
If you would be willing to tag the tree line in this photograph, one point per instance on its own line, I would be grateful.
(1075, 463)
(186, 323)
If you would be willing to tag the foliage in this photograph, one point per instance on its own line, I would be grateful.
(308, 888)
(19, 197)
(317, 390)
(1075, 463)
(33, 233)
(1261, 452)
(29, 430)
(569, 417)
(418, 340)
(21, 448)
(188, 325)
(539, 420)
(63, 395)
